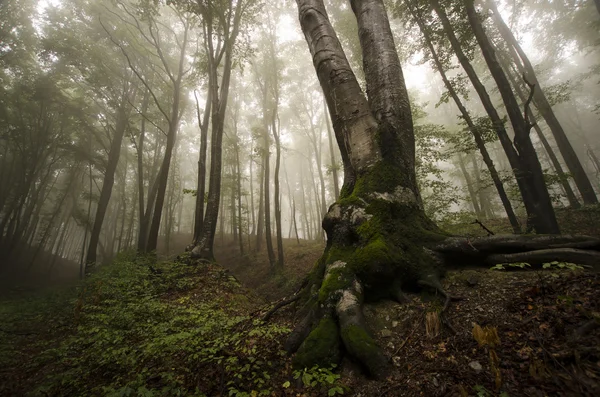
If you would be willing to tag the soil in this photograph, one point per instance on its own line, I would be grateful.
(547, 322)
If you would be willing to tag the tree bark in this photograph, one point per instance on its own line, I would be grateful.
(564, 179)
(470, 188)
(204, 247)
(564, 146)
(466, 116)
(201, 184)
(334, 171)
(544, 218)
(163, 174)
(109, 175)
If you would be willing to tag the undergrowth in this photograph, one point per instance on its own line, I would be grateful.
(140, 328)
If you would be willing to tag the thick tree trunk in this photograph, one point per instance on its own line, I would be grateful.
(366, 249)
(564, 146)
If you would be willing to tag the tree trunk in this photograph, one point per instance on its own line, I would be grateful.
(109, 176)
(575, 168)
(163, 174)
(239, 195)
(201, 185)
(519, 169)
(334, 171)
(544, 219)
(379, 238)
(261, 208)
(564, 179)
(470, 187)
(465, 114)
(204, 247)
(275, 129)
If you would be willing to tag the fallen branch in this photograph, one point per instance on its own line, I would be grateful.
(278, 306)
(489, 232)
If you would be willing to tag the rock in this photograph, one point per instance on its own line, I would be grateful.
(394, 324)
(386, 333)
(476, 366)
(397, 361)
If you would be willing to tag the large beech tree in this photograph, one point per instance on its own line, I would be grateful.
(379, 240)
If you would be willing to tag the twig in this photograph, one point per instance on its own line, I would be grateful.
(409, 336)
(528, 124)
(490, 233)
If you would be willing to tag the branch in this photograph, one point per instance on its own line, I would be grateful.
(278, 306)
(134, 70)
(489, 232)
(528, 124)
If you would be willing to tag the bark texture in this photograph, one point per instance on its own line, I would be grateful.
(379, 241)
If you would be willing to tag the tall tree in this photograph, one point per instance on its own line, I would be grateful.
(379, 238)
(521, 60)
(475, 131)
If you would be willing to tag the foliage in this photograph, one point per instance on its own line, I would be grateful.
(516, 265)
(319, 379)
(160, 329)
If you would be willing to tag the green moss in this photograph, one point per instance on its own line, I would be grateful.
(361, 345)
(337, 279)
(322, 346)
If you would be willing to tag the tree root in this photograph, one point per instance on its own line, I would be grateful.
(533, 249)
(335, 323)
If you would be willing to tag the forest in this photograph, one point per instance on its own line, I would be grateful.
(300, 198)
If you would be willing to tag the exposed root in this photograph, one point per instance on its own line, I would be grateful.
(301, 332)
(581, 257)
(484, 246)
(357, 340)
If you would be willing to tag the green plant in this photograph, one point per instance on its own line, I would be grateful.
(319, 379)
(504, 266)
(556, 265)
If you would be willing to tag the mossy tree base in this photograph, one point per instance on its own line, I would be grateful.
(380, 244)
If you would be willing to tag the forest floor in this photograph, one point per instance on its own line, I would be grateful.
(156, 329)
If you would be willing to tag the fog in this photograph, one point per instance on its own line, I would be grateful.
(104, 106)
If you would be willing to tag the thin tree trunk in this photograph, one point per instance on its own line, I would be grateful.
(544, 217)
(470, 187)
(201, 185)
(519, 169)
(275, 129)
(564, 179)
(109, 176)
(575, 168)
(466, 116)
